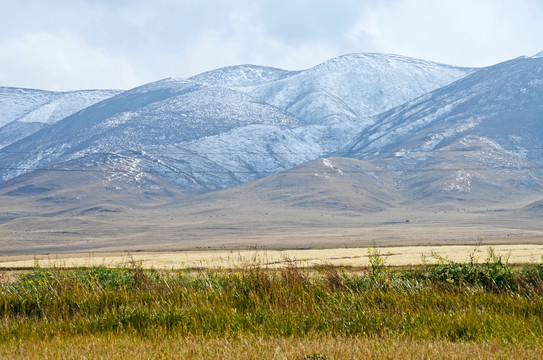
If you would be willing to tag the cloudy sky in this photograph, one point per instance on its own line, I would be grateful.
(83, 44)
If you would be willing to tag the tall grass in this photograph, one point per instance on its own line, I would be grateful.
(121, 346)
(487, 302)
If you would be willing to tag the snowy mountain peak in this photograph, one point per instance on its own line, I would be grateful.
(242, 76)
(376, 61)
(47, 107)
(538, 55)
(355, 86)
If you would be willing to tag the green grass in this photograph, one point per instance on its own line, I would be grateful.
(490, 302)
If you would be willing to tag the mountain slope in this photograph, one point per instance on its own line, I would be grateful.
(328, 184)
(503, 103)
(535, 208)
(355, 86)
(24, 111)
(139, 124)
(471, 172)
(441, 180)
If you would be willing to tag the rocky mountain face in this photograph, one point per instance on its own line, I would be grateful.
(404, 132)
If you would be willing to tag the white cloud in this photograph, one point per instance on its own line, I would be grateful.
(61, 62)
(460, 32)
(244, 40)
(84, 44)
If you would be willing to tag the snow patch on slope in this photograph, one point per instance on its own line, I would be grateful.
(461, 183)
(329, 174)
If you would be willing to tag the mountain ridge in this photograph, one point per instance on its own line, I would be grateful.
(323, 92)
(241, 76)
(503, 102)
(204, 137)
(164, 141)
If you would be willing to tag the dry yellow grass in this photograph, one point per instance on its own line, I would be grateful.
(394, 256)
(133, 347)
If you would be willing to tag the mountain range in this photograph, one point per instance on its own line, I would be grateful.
(358, 134)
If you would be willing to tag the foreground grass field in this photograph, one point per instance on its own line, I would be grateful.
(251, 347)
(443, 310)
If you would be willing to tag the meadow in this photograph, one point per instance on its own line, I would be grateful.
(446, 309)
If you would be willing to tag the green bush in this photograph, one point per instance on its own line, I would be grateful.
(493, 274)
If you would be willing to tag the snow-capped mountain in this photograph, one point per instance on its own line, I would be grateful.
(238, 124)
(480, 138)
(360, 136)
(24, 111)
(355, 86)
(139, 125)
(503, 103)
(218, 129)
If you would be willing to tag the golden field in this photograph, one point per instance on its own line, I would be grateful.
(348, 257)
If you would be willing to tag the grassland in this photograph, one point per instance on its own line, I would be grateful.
(485, 309)
(251, 347)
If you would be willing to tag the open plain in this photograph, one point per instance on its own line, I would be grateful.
(219, 233)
